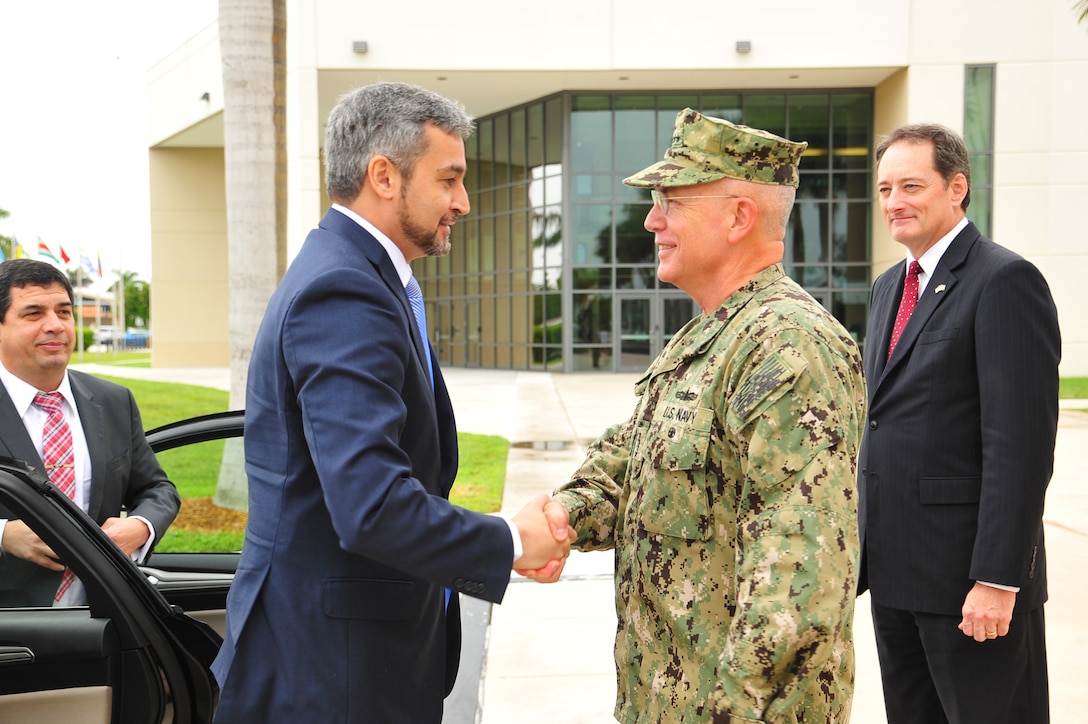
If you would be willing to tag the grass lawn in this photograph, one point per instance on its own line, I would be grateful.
(204, 527)
(1073, 388)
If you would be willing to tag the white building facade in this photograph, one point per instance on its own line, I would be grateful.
(552, 269)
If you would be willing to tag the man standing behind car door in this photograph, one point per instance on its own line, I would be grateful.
(113, 465)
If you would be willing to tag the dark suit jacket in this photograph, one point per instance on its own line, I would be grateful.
(124, 474)
(336, 612)
(959, 448)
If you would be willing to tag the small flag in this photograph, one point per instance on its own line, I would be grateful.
(85, 262)
(63, 256)
(17, 251)
(99, 264)
(45, 252)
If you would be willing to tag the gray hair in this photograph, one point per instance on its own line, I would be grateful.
(384, 119)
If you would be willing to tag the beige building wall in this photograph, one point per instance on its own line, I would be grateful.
(912, 52)
(189, 257)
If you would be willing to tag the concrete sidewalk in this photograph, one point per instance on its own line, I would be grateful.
(545, 654)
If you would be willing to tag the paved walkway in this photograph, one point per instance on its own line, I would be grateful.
(545, 654)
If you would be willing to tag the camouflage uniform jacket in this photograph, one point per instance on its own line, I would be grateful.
(730, 500)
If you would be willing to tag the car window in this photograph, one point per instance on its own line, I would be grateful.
(205, 524)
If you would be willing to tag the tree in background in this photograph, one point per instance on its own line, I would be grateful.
(253, 48)
(1080, 7)
(137, 300)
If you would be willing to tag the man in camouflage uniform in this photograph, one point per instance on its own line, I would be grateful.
(729, 496)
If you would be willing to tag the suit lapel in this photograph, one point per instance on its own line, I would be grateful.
(94, 430)
(16, 442)
(939, 287)
(340, 224)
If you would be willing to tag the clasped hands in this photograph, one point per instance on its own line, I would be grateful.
(130, 534)
(545, 539)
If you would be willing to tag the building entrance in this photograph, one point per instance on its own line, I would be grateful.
(645, 322)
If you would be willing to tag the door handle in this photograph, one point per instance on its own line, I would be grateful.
(15, 655)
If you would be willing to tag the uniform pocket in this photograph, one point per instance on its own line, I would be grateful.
(674, 499)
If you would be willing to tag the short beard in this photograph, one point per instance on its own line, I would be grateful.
(427, 240)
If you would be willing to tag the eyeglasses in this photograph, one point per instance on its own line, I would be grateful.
(661, 201)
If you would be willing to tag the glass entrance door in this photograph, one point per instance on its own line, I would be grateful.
(646, 322)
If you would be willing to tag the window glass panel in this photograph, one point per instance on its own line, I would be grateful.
(502, 149)
(636, 277)
(850, 231)
(536, 135)
(851, 186)
(726, 107)
(635, 148)
(634, 245)
(812, 186)
(851, 130)
(978, 107)
(808, 118)
(809, 276)
(553, 129)
(851, 309)
(981, 209)
(484, 140)
(592, 277)
(518, 160)
(591, 234)
(592, 318)
(590, 133)
(519, 196)
(980, 171)
(805, 234)
(851, 275)
(547, 232)
(519, 242)
(597, 187)
(766, 111)
(472, 168)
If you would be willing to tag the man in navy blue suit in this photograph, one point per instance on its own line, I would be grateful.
(961, 364)
(340, 610)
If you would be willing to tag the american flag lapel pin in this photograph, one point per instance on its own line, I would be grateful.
(939, 289)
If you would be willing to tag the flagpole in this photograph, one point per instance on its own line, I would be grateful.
(82, 307)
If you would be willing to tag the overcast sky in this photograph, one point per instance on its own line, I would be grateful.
(73, 121)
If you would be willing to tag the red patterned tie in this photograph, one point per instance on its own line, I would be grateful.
(906, 304)
(58, 458)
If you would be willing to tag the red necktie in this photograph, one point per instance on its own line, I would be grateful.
(58, 458)
(906, 304)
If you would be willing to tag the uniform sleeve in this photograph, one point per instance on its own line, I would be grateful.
(593, 495)
(795, 420)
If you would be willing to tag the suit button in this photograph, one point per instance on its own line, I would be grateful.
(872, 424)
(459, 584)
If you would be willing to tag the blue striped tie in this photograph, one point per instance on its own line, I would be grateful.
(415, 297)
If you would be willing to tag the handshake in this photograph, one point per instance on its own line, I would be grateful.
(545, 539)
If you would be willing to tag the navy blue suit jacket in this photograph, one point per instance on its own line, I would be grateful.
(959, 447)
(336, 613)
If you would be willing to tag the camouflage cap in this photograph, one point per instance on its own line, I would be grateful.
(706, 149)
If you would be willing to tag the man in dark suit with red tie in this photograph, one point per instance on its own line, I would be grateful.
(958, 451)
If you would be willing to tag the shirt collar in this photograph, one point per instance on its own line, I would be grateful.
(22, 393)
(399, 262)
(932, 257)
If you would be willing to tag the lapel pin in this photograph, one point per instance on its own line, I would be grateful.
(939, 289)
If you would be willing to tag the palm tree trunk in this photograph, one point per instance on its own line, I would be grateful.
(252, 36)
